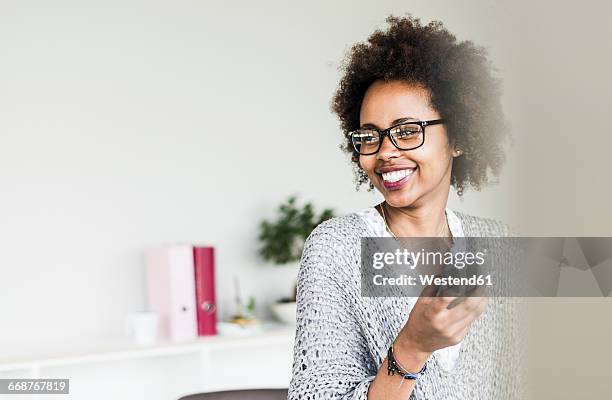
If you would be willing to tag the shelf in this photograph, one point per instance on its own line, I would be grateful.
(121, 350)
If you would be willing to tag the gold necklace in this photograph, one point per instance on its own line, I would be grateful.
(382, 211)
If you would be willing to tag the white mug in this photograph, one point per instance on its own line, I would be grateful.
(142, 327)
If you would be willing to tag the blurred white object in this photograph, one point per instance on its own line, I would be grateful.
(142, 328)
(285, 312)
(232, 329)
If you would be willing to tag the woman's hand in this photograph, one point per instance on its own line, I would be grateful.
(432, 325)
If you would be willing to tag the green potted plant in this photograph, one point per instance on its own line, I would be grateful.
(282, 241)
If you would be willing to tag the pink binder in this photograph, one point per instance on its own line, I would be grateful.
(171, 290)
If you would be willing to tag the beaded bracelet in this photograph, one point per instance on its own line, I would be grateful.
(394, 367)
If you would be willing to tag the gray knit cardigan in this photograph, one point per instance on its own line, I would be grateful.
(342, 338)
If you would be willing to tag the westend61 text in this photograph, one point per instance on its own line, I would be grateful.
(426, 280)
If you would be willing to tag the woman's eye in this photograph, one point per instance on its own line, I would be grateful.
(367, 137)
(404, 132)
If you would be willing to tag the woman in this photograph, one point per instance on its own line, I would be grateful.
(420, 112)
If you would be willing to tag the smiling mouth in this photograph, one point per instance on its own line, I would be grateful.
(396, 176)
(393, 180)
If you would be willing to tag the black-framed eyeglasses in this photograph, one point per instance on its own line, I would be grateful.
(408, 135)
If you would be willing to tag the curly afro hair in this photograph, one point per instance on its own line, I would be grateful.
(461, 86)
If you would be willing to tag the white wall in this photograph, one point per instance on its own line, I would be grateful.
(120, 128)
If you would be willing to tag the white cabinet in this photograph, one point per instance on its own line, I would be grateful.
(164, 371)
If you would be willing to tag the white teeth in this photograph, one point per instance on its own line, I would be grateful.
(395, 176)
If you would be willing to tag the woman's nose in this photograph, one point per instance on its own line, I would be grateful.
(387, 149)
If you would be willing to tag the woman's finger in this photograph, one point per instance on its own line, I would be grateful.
(466, 308)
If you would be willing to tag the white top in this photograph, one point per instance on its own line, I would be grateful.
(448, 356)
